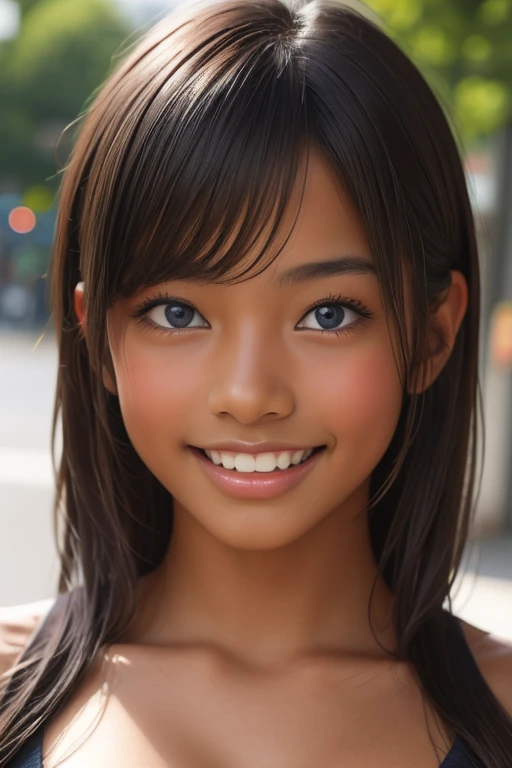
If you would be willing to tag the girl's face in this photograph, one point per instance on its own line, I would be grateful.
(258, 363)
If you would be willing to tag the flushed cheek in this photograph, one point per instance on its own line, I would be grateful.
(361, 400)
(155, 393)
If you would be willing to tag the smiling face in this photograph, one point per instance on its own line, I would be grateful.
(291, 362)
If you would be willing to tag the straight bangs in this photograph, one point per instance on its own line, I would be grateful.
(196, 186)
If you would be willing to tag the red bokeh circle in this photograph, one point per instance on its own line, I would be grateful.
(22, 220)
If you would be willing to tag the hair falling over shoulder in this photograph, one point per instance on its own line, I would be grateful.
(170, 155)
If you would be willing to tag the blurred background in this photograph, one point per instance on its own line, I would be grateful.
(53, 55)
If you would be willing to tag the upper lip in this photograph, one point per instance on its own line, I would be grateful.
(234, 446)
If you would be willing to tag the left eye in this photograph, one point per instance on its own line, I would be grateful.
(330, 317)
(175, 316)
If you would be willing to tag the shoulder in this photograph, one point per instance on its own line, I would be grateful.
(17, 625)
(493, 656)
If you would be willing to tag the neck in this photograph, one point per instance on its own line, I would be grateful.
(264, 607)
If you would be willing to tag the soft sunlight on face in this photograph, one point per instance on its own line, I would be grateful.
(255, 362)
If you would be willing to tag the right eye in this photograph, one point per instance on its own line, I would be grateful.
(175, 316)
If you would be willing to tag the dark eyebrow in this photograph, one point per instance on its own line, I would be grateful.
(344, 265)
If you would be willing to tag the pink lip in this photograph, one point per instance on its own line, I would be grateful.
(255, 485)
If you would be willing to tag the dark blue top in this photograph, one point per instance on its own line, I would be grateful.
(30, 755)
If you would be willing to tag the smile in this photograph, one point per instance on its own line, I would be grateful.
(260, 462)
(277, 474)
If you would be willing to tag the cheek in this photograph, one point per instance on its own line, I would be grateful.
(360, 398)
(155, 391)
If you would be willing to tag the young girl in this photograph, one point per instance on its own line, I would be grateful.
(266, 296)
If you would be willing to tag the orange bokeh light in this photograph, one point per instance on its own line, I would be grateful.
(501, 335)
(22, 220)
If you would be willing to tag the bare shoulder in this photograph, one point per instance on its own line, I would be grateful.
(493, 655)
(17, 625)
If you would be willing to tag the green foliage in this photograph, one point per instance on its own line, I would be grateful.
(65, 50)
(464, 49)
(481, 105)
(62, 54)
(26, 5)
(38, 198)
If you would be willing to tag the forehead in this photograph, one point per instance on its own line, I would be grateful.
(320, 222)
(327, 215)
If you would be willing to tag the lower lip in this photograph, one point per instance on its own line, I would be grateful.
(256, 485)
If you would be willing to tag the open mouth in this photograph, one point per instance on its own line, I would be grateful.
(256, 472)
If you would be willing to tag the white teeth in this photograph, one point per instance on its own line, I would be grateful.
(227, 460)
(244, 462)
(265, 462)
(262, 462)
(284, 459)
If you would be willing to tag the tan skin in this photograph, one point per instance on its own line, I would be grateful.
(251, 645)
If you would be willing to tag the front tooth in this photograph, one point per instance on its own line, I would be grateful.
(244, 462)
(265, 462)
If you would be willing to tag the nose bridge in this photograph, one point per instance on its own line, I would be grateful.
(249, 378)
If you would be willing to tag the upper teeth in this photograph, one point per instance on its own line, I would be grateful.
(261, 462)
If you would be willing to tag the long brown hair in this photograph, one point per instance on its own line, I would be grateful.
(205, 120)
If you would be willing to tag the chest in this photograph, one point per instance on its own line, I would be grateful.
(206, 714)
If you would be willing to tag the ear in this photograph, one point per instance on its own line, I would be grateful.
(108, 369)
(447, 318)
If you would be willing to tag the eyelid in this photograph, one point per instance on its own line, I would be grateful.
(158, 299)
(142, 309)
(345, 301)
(163, 298)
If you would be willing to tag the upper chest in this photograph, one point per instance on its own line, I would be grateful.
(195, 710)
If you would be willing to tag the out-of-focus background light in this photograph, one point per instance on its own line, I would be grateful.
(22, 220)
(10, 16)
(501, 338)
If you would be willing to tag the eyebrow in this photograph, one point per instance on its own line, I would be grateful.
(344, 265)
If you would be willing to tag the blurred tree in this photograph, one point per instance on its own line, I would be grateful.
(62, 54)
(65, 47)
(26, 5)
(464, 48)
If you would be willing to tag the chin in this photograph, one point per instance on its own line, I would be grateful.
(260, 529)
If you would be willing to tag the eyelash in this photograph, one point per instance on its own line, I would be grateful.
(141, 310)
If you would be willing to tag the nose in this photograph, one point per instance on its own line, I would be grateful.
(251, 379)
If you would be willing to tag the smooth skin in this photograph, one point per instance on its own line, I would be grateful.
(251, 645)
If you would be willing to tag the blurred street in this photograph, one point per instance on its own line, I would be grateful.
(28, 564)
(28, 567)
